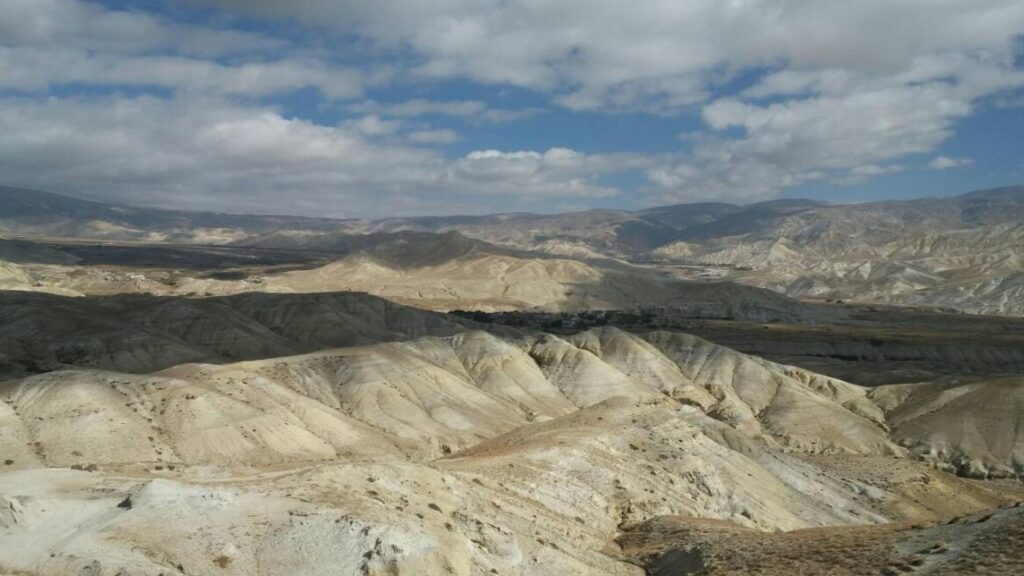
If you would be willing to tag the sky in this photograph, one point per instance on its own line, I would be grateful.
(412, 107)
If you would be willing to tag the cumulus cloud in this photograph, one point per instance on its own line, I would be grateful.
(468, 109)
(595, 53)
(58, 42)
(558, 172)
(1016, 101)
(91, 27)
(850, 86)
(31, 69)
(437, 136)
(789, 92)
(946, 162)
(374, 125)
(214, 154)
(837, 127)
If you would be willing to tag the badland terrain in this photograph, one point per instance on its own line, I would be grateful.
(781, 388)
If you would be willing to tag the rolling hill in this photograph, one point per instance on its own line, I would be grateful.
(474, 454)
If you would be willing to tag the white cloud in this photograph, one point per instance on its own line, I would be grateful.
(852, 87)
(791, 92)
(437, 136)
(1014, 101)
(474, 110)
(558, 172)
(89, 26)
(861, 174)
(836, 132)
(875, 170)
(841, 128)
(373, 125)
(657, 54)
(204, 153)
(53, 42)
(31, 69)
(946, 162)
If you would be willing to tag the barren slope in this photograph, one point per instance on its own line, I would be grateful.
(142, 333)
(985, 544)
(433, 271)
(437, 394)
(467, 454)
(975, 428)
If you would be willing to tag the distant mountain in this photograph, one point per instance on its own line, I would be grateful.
(615, 233)
(589, 233)
(405, 249)
(35, 213)
(963, 252)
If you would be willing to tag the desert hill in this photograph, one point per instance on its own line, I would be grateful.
(961, 252)
(446, 394)
(493, 280)
(465, 454)
(142, 333)
(406, 249)
(435, 271)
(441, 393)
(974, 428)
(211, 394)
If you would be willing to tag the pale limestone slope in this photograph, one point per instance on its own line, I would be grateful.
(88, 417)
(502, 369)
(428, 396)
(975, 428)
(501, 282)
(339, 519)
(798, 408)
(624, 461)
(318, 463)
(640, 361)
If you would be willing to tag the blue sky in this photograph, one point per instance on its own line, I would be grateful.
(390, 108)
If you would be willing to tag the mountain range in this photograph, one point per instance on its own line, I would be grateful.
(962, 253)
